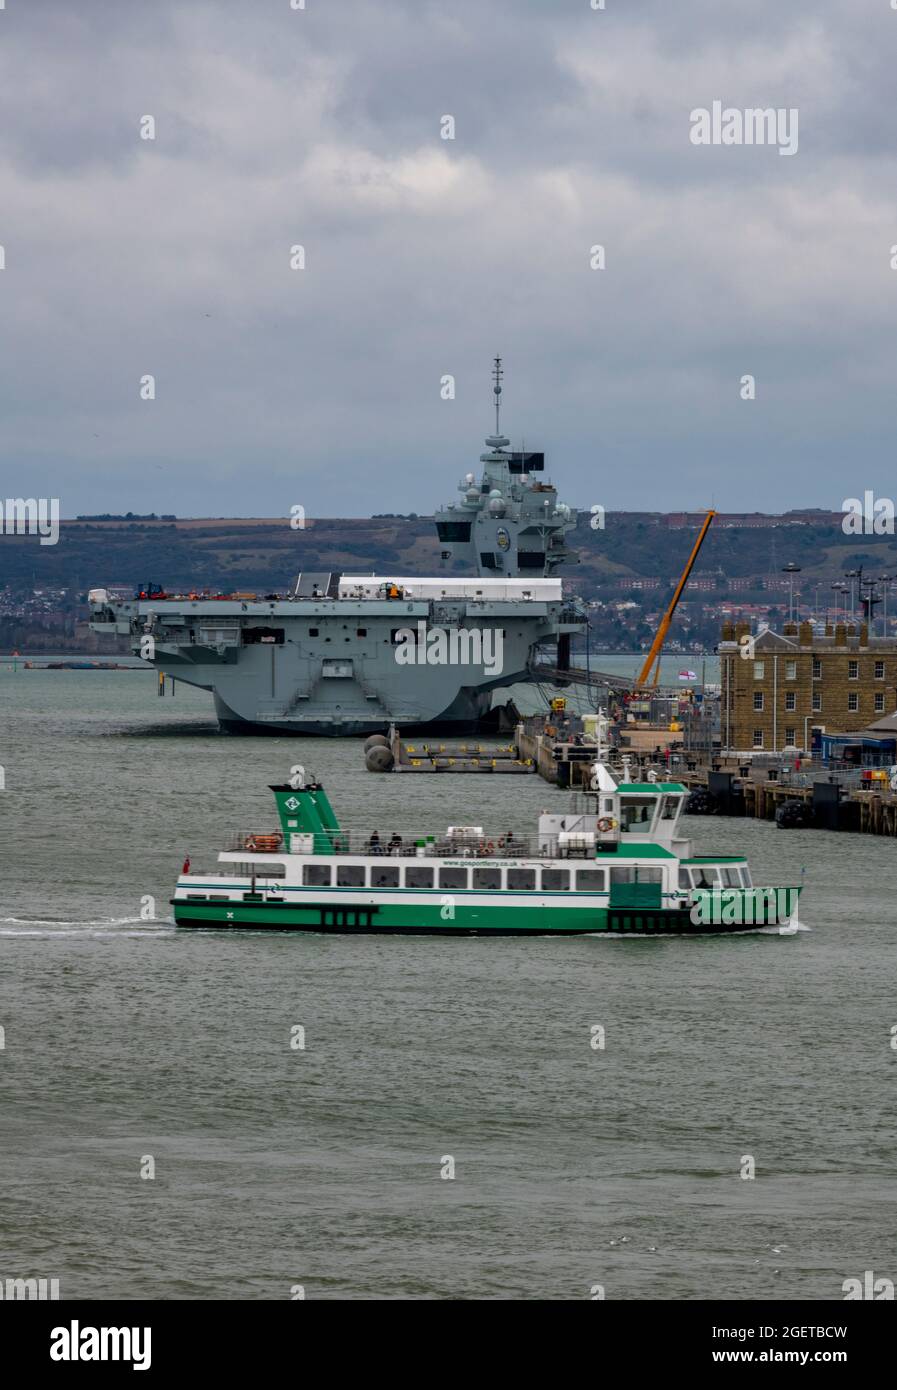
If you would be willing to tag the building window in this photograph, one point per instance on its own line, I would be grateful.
(790, 699)
(759, 668)
(879, 670)
(853, 670)
(758, 738)
(817, 701)
(791, 670)
(791, 737)
(853, 700)
(758, 699)
(879, 702)
(817, 668)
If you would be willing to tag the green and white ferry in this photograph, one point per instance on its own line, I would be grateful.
(614, 862)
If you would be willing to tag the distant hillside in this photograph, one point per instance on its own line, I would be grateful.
(267, 554)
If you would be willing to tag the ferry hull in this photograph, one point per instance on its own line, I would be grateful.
(417, 919)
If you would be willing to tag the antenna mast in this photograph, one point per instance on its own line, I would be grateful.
(497, 375)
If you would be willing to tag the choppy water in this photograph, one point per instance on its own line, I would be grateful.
(276, 1167)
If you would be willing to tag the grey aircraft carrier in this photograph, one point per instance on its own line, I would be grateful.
(351, 654)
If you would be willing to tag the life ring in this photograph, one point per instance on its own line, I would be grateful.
(607, 823)
(250, 842)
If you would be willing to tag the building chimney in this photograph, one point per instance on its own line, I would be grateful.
(840, 635)
(728, 632)
(806, 634)
(864, 634)
(789, 629)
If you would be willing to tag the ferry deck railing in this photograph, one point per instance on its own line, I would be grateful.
(489, 845)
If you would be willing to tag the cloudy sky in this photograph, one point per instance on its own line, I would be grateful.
(424, 257)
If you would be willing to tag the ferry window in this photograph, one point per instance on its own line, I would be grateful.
(637, 811)
(669, 807)
(316, 875)
(524, 880)
(419, 876)
(252, 897)
(350, 875)
(731, 878)
(705, 876)
(384, 876)
(622, 875)
(487, 878)
(591, 880)
(556, 880)
(452, 878)
(746, 876)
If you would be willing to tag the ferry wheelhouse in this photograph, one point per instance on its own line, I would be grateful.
(614, 861)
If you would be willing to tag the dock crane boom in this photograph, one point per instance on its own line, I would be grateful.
(654, 655)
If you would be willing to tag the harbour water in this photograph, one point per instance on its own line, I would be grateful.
(277, 1166)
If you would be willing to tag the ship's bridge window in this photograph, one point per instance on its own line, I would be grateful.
(523, 880)
(316, 875)
(705, 876)
(453, 530)
(669, 807)
(731, 877)
(350, 875)
(637, 812)
(453, 879)
(488, 879)
(556, 880)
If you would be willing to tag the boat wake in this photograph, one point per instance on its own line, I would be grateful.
(99, 927)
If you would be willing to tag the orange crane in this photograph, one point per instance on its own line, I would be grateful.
(654, 655)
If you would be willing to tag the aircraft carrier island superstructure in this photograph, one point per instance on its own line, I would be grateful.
(351, 654)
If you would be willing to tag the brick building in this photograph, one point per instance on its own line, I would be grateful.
(793, 682)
